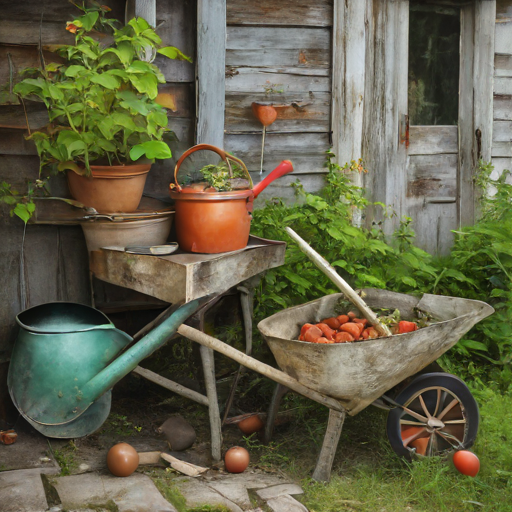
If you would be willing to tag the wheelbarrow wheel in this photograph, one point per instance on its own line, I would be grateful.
(438, 415)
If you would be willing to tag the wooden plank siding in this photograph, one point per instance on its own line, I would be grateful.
(281, 52)
(502, 102)
(302, 13)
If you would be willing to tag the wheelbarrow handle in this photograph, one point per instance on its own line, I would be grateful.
(329, 271)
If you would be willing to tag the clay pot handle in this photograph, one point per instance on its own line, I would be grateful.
(208, 147)
(193, 149)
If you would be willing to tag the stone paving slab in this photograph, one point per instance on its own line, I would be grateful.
(197, 493)
(278, 490)
(234, 486)
(22, 491)
(136, 493)
(285, 503)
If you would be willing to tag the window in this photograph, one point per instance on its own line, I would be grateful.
(433, 89)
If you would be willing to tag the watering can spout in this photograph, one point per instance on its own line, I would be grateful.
(66, 358)
(127, 362)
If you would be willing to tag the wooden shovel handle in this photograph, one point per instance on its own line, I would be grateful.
(329, 271)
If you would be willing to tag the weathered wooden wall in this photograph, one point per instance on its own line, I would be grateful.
(502, 125)
(55, 262)
(286, 46)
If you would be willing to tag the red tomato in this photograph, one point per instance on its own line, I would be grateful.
(122, 459)
(466, 462)
(236, 459)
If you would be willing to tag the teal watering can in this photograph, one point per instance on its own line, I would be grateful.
(66, 359)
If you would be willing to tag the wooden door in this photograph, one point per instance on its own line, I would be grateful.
(431, 139)
(425, 171)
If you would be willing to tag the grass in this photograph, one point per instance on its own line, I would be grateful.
(65, 458)
(374, 479)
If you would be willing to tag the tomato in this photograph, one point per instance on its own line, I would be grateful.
(236, 459)
(466, 462)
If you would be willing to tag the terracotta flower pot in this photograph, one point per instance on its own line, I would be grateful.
(111, 189)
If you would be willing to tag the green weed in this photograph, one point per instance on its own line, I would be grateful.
(65, 458)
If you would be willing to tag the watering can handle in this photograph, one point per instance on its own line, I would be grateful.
(201, 147)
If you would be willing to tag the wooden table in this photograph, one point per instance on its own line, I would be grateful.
(182, 277)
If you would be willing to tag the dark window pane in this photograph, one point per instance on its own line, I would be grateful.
(434, 35)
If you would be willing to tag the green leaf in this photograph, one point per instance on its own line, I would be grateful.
(173, 53)
(106, 145)
(335, 233)
(86, 50)
(151, 149)
(152, 36)
(124, 120)
(139, 25)
(278, 300)
(106, 80)
(295, 278)
(106, 127)
(89, 19)
(409, 281)
(24, 211)
(159, 118)
(74, 70)
(372, 280)
(145, 84)
(72, 166)
(139, 66)
(473, 345)
(124, 52)
(55, 92)
(316, 202)
(75, 107)
(351, 230)
(132, 102)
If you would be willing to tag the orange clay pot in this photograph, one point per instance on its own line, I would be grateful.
(212, 222)
(111, 189)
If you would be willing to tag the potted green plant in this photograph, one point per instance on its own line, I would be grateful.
(105, 124)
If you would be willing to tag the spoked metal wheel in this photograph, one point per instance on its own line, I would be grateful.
(438, 415)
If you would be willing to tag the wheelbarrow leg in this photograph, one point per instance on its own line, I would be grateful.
(322, 471)
(279, 392)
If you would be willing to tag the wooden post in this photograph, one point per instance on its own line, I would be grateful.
(385, 105)
(478, 22)
(141, 8)
(211, 65)
(348, 75)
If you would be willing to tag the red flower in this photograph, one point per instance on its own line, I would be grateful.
(71, 27)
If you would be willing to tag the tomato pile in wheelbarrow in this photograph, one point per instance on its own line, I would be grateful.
(430, 413)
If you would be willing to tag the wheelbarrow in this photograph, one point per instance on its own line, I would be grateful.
(434, 413)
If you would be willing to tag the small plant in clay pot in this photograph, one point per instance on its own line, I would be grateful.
(101, 106)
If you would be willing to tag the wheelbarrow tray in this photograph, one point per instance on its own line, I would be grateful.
(357, 374)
